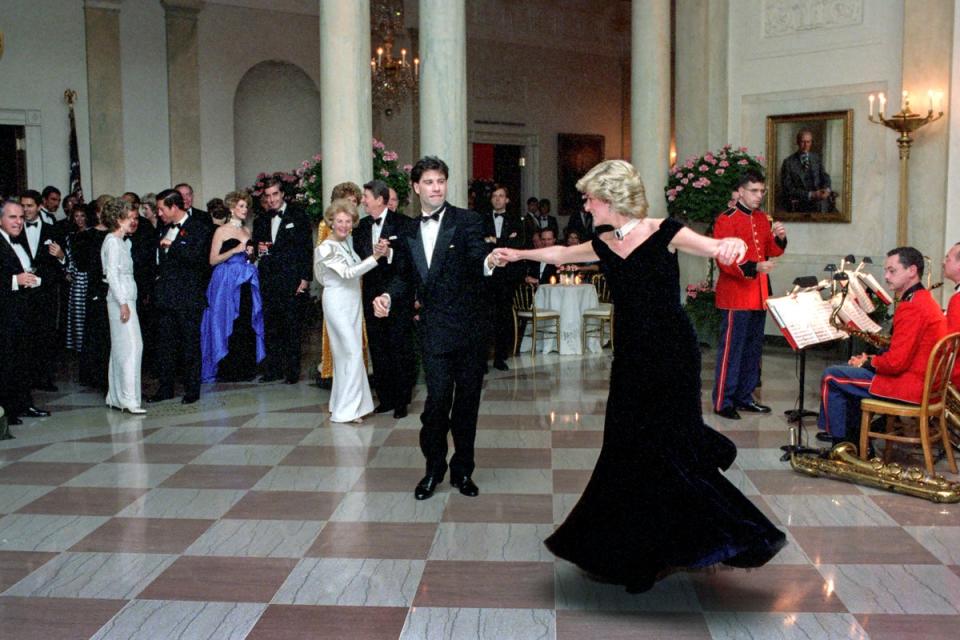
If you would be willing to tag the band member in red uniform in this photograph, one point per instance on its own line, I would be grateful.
(897, 373)
(951, 272)
(741, 291)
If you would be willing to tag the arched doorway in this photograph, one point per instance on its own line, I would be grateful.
(276, 115)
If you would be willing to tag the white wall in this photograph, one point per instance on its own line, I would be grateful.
(45, 54)
(146, 121)
(819, 69)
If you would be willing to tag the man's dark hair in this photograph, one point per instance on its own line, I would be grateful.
(379, 189)
(428, 163)
(533, 199)
(750, 175)
(47, 190)
(33, 194)
(908, 257)
(171, 198)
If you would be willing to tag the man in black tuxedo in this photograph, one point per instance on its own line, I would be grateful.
(45, 246)
(443, 263)
(389, 339)
(284, 242)
(16, 281)
(179, 295)
(581, 223)
(186, 192)
(502, 229)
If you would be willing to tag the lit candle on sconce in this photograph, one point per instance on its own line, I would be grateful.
(871, 99)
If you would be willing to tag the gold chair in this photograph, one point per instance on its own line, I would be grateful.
(601, 314)
(525, 308)
(932, 407)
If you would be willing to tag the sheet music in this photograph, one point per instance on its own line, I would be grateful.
(805, 318)
(851, 313)
(874, 286)
(859, 291)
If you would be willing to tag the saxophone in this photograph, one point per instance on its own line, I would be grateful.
(843, 463)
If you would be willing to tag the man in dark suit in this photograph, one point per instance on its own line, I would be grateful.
(284, 242)
(179, 295)
(581, 223)
(804, 184)
(16, 280)
(45, 246)
(186, 192)
(444, 263)
(389, 339)
(502, 229)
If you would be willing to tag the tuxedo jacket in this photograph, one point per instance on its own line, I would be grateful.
(796, 183)
(181, 274)
(375, 282)
(290, 259)
(450, 290)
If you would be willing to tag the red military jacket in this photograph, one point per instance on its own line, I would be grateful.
(918, 324)
(953, 324)
(739, 286)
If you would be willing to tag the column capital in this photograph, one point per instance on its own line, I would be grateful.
(103, 5)
(187, 8)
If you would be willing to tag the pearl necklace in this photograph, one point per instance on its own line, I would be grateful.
(625, 229)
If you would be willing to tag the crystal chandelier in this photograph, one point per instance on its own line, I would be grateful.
(393, 78)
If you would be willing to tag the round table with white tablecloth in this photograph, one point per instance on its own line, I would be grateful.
(571, 301)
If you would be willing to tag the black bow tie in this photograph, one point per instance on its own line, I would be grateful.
(378, 221)
(430, 216)
(35, 223)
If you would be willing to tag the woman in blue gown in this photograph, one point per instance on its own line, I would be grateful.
(231, 333)
(657, 501)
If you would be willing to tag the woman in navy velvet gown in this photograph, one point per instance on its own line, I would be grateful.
(231, 333)
(656, 501)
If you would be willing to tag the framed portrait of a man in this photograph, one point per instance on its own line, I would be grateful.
(809, 171)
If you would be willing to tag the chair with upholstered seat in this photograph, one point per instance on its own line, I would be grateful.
(932, 408)
(599, 318)
(525, 308)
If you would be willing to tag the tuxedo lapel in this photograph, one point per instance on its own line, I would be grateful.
(447, 228)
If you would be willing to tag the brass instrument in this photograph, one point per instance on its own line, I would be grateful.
(843, 463)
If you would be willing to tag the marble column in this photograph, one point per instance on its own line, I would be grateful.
(105, 102)
(183, 92)
(443, 90)
(650, 97)
(346, 124)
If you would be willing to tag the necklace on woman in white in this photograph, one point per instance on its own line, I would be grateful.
(624, 230)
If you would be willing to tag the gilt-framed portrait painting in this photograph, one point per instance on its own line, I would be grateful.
(810, 166)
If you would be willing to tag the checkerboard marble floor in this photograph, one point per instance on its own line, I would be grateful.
(248, 515)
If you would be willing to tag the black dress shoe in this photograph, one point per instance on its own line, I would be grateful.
(466, 486)
(33, 412)
(500, 365)
(13, 421)
(382, 408)
(427, 486)
(400, 412)
(754, 407)
(729, 413)
(189, 399)
(159, 397)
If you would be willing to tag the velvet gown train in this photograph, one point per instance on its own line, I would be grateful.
(231, 332)
(656, 499)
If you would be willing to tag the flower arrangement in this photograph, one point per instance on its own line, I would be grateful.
(386, 167)
(701, 308)
(701, 187)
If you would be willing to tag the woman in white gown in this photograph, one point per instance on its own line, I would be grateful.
(338, 269)
(126, 344)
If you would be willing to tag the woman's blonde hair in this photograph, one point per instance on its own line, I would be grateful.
(112, 212)
(619, 184)
(341, 205)
(231, 199)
